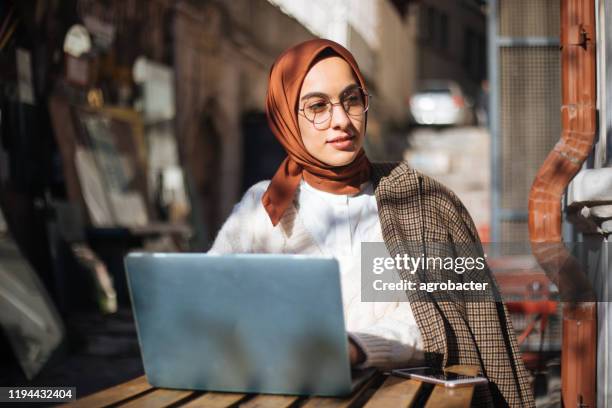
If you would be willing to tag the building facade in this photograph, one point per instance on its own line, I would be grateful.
(451, 41)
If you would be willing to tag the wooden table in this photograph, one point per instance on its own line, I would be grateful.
(380, 391)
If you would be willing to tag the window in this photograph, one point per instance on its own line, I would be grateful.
(474, 58)
(467, 49)
(430, 28)
(481, 69)
(443, 44)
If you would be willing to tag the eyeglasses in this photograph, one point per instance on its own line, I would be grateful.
(319, 109)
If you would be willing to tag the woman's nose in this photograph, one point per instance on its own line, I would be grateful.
(339, 117)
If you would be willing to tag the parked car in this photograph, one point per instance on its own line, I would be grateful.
(441, 102)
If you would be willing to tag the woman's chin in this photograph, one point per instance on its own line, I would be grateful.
(340, 158)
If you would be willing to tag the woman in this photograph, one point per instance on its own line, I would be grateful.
(326, 198)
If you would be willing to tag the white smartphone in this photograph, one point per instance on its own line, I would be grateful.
(435, 376)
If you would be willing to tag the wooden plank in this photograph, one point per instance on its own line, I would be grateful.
(322, 402)
(215, 400)
(270, 401)
(160, 397)
(113, 395)
(447, 397)
(395, 392)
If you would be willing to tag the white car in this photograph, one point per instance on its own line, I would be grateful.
(441, 102)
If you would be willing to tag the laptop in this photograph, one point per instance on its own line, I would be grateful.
(248, 323)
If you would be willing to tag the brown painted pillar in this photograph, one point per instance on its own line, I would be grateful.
(578, 112)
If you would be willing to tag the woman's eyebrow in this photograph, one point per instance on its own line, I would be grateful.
(321, 94)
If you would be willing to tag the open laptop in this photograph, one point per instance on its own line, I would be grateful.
(249, 323)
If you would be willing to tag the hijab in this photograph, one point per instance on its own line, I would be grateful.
(286, 77)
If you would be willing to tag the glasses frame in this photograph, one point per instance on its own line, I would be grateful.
(366, 95)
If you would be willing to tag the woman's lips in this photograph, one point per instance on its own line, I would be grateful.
(343, 142)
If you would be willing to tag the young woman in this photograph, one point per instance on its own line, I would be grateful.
(326, 198)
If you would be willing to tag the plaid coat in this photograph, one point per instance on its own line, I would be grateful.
(416, 210)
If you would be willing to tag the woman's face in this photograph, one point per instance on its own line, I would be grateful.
(336, 141)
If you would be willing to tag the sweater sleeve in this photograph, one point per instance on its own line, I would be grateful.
(236, 234)
(393, 341)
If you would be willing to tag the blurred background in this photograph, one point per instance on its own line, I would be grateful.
(138, 124)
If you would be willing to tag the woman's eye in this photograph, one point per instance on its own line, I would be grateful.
(317, 106)
(353, 100)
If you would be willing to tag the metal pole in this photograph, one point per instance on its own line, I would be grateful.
(494, 119)
(604, 309)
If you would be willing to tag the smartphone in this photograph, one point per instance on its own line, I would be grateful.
(435, 376)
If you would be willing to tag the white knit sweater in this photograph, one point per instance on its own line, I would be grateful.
(329, 224)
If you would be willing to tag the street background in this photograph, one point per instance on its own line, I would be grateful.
(137, 125)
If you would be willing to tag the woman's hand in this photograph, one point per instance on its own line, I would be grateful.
(356, 354)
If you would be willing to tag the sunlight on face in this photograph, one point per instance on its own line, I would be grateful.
(337, 141)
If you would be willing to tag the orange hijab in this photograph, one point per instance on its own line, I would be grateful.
(286, 77)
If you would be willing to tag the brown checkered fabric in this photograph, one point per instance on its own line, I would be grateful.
(414, 211)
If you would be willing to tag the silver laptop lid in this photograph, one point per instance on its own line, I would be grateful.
(245, 323)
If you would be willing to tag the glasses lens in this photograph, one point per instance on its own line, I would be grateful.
(317, 110)
(355, 102)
